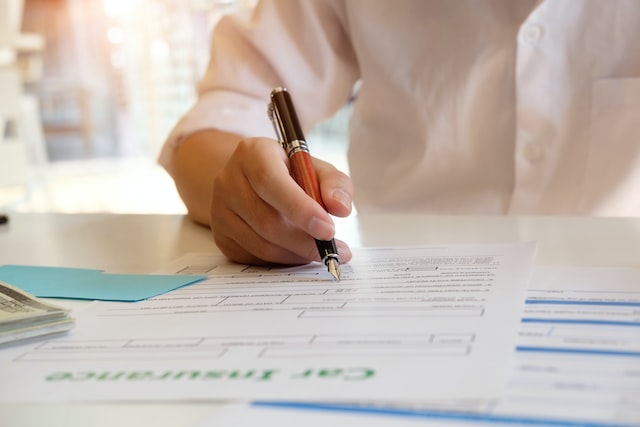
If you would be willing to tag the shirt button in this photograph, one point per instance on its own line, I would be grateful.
(532, 33)
(532, 151)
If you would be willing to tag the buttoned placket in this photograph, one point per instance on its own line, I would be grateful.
(529, 150)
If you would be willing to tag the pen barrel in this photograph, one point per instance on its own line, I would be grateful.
(289, 132)
(304, 174)
(327, 250)
(286, 117)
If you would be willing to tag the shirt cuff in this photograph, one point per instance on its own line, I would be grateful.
(226, 111)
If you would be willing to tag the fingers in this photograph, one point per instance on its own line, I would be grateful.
(260, 215)
(336, 188)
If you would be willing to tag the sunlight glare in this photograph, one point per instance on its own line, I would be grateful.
(120, 8)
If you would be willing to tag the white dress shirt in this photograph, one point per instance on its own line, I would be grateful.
(466, 106)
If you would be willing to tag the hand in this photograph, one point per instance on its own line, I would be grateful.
(259, 214)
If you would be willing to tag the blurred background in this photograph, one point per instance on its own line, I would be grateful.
(89, 90)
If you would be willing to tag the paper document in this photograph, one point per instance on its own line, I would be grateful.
(437, 322)
(242, 415)
(578, 355)
(577, 360)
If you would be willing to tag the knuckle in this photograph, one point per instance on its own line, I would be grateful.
(267, 226)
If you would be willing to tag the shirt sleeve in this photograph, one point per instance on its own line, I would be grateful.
(301, 45)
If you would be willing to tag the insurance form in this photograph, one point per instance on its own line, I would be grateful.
(578, 354)
(577, 363)
(435, 322)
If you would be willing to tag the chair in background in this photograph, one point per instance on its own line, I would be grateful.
(14, 165)
(22, 143)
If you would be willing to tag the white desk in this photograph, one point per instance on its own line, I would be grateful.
(143, 243)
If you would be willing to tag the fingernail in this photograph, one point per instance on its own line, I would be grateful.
(321, 229)
(342, 197)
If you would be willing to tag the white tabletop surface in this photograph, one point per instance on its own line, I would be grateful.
(144, 243)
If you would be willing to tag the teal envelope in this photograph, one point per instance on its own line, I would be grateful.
(80, 283)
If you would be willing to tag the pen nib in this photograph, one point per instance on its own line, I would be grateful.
(334, 268)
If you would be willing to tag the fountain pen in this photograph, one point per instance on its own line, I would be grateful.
(289, 133)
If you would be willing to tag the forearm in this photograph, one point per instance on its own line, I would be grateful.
(196, 163)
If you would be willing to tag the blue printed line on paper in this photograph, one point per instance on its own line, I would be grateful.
(569, 302)
(413, 413)
(581, 322)
(595, 352)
